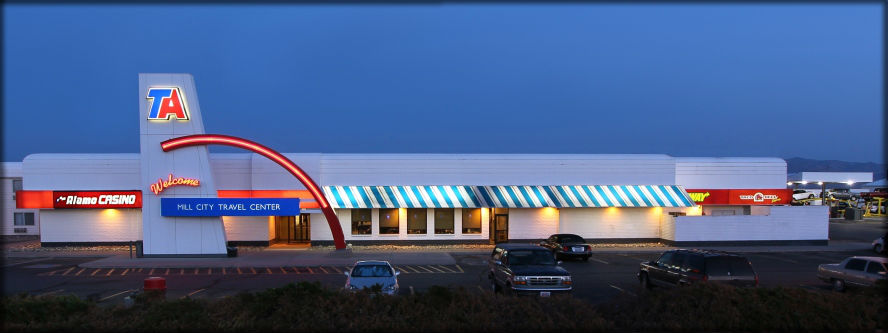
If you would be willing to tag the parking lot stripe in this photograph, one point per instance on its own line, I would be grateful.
(283, 270)
(412, 269)
(69, 270)
(238, 270)
(411, 290)
(140, 270)
(623, 291)
(296, 269)
(193, 292)
(253, 269)
(51, 292)
(435, 268)
(124, 272)
(81, 271)
(151, 271)
(268, 270)
(460, 269)
(95, 271)
(448, 269)
(117, 294)
(324, 269)
(209, 271)
(599, 260)
(427, 270)
(401, 269)
(196, 270)
(338, 271)
(309, 270)
(109, 272)
(167, 272)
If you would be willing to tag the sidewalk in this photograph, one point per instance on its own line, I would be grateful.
(326, 256)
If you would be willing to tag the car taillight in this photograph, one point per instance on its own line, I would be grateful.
(706, 277)
(565, 248)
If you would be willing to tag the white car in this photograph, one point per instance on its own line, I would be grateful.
(879, 244)
(802, 194)
(366, 274)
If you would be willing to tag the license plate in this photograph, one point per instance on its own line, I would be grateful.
(578, 249)
(545, 293)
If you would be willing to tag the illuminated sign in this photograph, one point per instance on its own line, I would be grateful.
(229, 207)
(741, 197)
(166, 102)
(162, 184)
(96, 199)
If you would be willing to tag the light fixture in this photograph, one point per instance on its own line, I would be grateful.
(804, 182)
(819, 183)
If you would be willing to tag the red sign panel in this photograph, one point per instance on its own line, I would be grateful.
(96, 199)
(741, 197)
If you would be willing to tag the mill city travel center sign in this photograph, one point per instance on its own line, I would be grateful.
(740, 197)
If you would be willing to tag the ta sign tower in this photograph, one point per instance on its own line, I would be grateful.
(169, 108)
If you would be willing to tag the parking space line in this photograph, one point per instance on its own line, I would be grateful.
(117, 294)
(51, 292)
(140, 270)
(196, 270)
(309, 270)
(69, 270)
(420, 266)
(448, 269)
(253, 269)
(53, 272)
(411, 290)
(412, 269)
(296, 269)
(402, 270)
(81, 271)
(599, 260)
(238, 270)
(151, 272)
(95, 271)
(167, 272)
(433, 267)
(193, 292)
(460, 269)
(283, 270)
(124, 272)
(623, 291)
(209, 270)
(338, 271)
(181, 271)
(109, 272)
(322, 268)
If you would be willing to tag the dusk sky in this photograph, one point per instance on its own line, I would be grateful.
(789, 80)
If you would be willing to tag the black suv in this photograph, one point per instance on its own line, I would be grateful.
(683, 267)
(526, 269)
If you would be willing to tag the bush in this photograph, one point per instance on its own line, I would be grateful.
(308, 307)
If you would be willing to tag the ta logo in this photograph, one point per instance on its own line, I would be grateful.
(166, 103)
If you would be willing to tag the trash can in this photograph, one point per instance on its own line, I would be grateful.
(853, 214)
(155, 288)
(232, 251)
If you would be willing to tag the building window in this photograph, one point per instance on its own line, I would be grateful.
(471, 222)
(416, 221)
(24, 219)
(444, 220)
(16, 186)
(361, 222)
(388, 221)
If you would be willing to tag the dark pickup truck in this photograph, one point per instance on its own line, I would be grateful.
(526, 269)
(683, 267)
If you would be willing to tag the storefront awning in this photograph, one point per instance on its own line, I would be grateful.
(516, 196)
(402, 196)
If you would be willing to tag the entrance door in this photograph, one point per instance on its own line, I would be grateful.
(499, 225)
(293, 229)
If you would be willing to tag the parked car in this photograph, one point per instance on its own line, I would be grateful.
(567, 246)
(684, 267)
(802, 194)
(526, 269)
(879, 192)
(841, 194)
(366, 274)
(853, 271)
(879, 244)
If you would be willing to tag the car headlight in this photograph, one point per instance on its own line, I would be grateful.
(352, 287)
(566, 280)
(519, 279)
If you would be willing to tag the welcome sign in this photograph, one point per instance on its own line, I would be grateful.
(198, 207)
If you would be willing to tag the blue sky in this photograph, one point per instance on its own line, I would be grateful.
(685, 80)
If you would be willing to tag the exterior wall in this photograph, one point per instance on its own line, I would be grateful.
(321, 232)
(232, 171)
(533, 223)
(783, 223)
(247, 228)
(603, 223)
(79, 172)
(495, 169)
(90, 225)
(719, 210)
(7, 202)
(730, 172)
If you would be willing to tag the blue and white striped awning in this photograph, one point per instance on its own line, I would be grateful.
(401, 196)
(619, 196)
(516, 196)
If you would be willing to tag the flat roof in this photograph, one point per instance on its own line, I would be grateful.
(830, 177)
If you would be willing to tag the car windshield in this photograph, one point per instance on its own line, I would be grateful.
(531, 257)
(572, 239)
(371, 271)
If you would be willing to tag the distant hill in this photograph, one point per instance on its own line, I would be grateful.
(797, 164)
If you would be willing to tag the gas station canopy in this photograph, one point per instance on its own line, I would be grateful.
(829, 177)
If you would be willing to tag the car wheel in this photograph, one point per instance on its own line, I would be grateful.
(878, 248)
(645, 282)
(810, 196)
(838, 285)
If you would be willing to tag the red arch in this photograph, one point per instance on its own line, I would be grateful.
(295, 170)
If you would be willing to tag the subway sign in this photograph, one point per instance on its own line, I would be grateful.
(197, 207)
(740, 197)
(96, 199)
